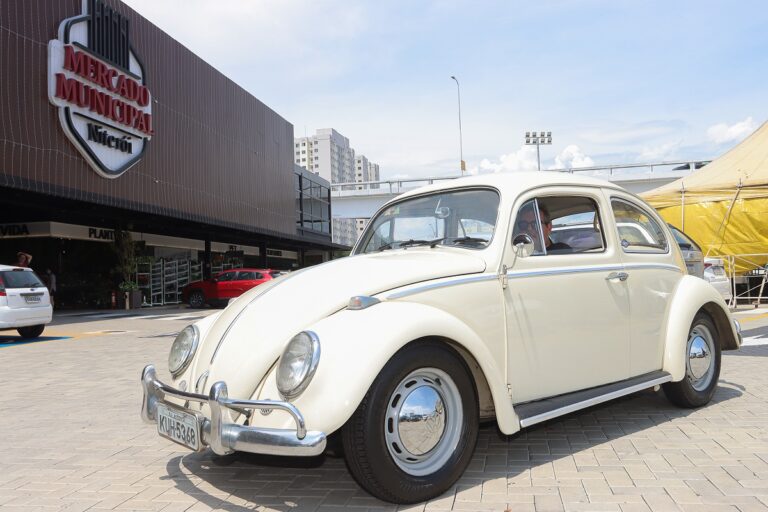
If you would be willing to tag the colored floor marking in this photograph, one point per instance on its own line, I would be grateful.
(753, 318)
(11, 341)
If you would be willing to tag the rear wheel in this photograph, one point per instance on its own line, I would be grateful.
(196, 299)
(702, 366)
(414, 432)
(33, 331)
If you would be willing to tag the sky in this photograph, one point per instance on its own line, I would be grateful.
(616, 82)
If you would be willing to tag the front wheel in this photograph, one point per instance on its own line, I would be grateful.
(414, 432)
(33, 331)
(702, 366)
(196, 299)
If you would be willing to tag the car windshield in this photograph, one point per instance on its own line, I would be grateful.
(20, 279)
(461, 218)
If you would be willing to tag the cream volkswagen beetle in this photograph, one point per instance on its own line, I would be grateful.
(465, 301)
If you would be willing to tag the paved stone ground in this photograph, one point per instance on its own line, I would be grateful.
(71, 439)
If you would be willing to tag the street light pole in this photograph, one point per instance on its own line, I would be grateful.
(538, 139)
(462, 165)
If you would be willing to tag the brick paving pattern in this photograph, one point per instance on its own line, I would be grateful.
(71, 439)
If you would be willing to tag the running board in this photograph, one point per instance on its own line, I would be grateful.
(531, 413)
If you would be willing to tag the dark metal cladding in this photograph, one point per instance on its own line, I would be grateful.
(218, 156)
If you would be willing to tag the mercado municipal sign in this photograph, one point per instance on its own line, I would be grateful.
(97, 82)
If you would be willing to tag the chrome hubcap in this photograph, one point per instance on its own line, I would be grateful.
(700, 367)
(423, 421)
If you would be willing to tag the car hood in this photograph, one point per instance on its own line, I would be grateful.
(251, 333)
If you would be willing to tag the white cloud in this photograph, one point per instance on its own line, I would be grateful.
(524, 159)
(722, 133)
(668, 151)
(572, 157)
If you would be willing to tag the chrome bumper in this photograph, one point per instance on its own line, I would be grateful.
(740, 338)
(221, 433)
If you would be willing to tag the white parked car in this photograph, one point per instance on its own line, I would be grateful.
(714, 272)
(454, 307)
(25, 304)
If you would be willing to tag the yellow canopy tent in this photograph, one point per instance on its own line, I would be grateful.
(724, 205)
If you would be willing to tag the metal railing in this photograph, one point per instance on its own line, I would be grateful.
(397, 186)
(753, 270)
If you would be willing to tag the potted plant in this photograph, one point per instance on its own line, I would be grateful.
(125, 271)
(132, 294)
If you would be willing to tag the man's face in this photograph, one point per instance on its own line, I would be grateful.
(527, 224)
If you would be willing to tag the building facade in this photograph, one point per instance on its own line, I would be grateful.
(110, 124)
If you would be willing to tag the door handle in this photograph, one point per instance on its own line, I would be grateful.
(621, 276)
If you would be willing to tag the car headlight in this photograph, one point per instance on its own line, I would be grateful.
(297, 364)
(183, 349)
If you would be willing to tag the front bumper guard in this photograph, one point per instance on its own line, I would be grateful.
(221, 433)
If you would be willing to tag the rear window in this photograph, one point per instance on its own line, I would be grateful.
(20, 279)
(683, 241)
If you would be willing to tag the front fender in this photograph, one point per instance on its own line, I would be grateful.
(355, 346)
(691, 296)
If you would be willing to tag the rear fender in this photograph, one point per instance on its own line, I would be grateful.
(691, 296)
(355, 346)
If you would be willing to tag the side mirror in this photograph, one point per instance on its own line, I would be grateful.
(523, 245)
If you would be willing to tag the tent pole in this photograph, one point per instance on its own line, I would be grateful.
(682, 207)
(728, 215)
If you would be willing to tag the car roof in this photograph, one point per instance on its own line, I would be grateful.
(13, 267)
(516, 182)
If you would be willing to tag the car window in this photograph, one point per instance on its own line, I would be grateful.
(225, 276)
(246, 276)
(683, 240)
(637, 230)
(567, 224)
(19, 279)
(458, 218)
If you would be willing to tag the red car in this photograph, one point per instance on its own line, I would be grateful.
(224, 286)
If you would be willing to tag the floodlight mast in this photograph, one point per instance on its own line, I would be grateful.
(462, 165)
(537, 139)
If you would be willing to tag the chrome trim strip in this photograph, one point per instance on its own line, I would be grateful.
(593, 401)
(221, 433)
(443, 284)
(517, 274)
(655, 266)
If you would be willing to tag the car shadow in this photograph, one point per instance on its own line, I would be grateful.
(243, 481)
(10, 341)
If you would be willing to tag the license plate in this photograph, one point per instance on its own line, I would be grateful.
(178, 426)
(32, 299)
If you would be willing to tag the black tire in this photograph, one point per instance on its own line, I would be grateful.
(196, 299)
(364, 437)
(694, 392)
(33, 331)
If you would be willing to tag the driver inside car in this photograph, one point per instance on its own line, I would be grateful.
(526, 224)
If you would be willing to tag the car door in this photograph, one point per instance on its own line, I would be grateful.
(245, 280)
(567, 310)
(225, 284)
(651, 281)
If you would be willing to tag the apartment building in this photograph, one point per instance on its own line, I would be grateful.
(330, 155)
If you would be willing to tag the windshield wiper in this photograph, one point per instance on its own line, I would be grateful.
(468, 239)
(408, 243)
(384, 247)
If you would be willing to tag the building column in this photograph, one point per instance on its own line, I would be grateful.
(263, 254)
(207, 260)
